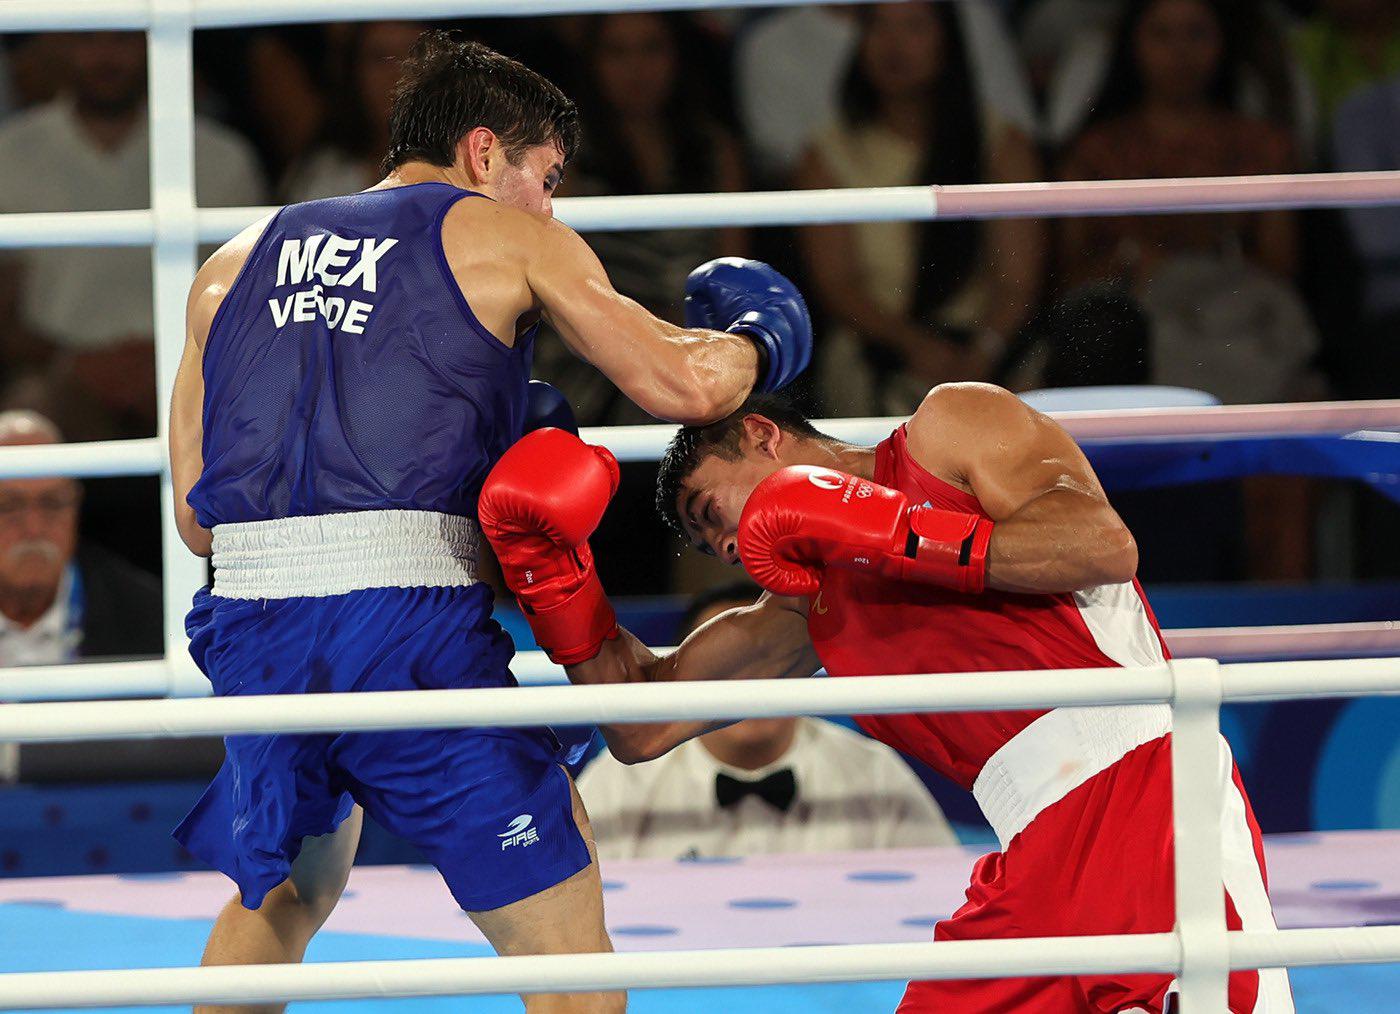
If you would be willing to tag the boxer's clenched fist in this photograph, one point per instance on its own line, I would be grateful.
(538, 507)
(803, 519)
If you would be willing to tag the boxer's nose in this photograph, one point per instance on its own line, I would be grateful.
(730, 550)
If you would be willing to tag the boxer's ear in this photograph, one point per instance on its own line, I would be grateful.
(478, 151)
(763, 435)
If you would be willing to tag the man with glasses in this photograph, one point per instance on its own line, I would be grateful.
(60, 601)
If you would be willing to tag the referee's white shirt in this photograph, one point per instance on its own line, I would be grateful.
(852, 793)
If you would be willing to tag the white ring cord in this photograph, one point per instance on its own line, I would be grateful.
(73, 721)
(955, 959)
(645, 443)
(37, 15)
(808, 207)
(87, 681)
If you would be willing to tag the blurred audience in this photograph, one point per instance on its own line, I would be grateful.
(791, 64)
(759, 787)
(1217, 290)
(1345, 45)
(356, 132)
(1070, 74)
(913, 304)
(789, 68)
(59, 600)
(648, 129)
(1366, 137)
(76, 322)
(278, 86)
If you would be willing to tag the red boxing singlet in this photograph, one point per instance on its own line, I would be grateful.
(866, 625)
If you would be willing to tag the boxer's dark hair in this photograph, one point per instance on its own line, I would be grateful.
(449, 86)
(693, 444)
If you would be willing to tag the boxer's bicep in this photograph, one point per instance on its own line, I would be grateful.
(1004, 451)
(684, 375)
(1055, 529)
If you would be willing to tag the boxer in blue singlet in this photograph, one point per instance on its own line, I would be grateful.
(353, 368)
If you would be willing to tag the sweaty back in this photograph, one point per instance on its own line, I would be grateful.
(344, 371)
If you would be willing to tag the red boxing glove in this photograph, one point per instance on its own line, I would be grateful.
(538, 507)
(802, 519)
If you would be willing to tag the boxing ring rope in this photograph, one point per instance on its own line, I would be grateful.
(645, 443)
(76, 721)
(1198, 951)
(807, 207)
(757, 966)
(150, 678)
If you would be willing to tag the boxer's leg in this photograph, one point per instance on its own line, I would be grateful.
(499, 817)
(279, 929)
(564, 919)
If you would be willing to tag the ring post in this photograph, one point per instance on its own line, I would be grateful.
(1198, 800)
(170, 62)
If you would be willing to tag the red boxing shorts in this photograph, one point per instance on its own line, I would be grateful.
(1099, 861)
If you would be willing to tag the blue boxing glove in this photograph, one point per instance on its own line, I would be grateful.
(750, 298)
(546, 406)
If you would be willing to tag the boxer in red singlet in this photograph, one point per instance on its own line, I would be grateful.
(975, 538)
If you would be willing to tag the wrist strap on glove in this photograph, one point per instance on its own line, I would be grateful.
(574, 630)
(947, 548)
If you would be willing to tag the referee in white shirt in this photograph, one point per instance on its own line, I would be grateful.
(761, 786)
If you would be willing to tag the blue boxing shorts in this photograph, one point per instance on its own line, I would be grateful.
(491, 808)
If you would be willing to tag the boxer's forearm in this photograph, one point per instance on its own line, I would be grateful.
(765, 640)
(626, 660)
(1062, 541)
(689, 376)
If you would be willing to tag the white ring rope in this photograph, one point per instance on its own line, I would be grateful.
(808, 207)
(73, 721)
(48, 15)
(156, 678)
(645, 443)
(754, 966)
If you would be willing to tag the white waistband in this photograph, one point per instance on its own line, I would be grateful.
(1057, 753)
(332, 554)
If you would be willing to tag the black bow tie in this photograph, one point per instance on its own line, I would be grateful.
(778, 790)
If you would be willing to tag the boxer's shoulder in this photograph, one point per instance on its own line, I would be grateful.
(965, 413)
(484, 222)
(217, 275)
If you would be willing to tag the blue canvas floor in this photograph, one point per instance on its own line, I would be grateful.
(49, 938)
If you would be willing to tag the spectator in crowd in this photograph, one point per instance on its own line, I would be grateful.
(60, 601)
(647, 130)
(1071, 64)
(790, 66)
(1217, 289)
(1345, 45)
(915, 304)
(758, 787)
(1366, 137)
(357, 130)
(79, 320)
(274, 86)
(33, 69)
